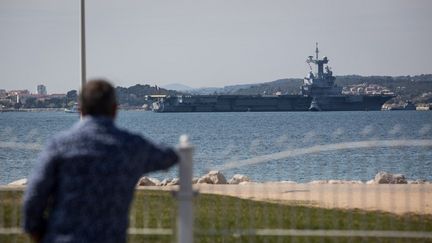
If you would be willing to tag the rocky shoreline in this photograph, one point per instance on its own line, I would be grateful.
(386, 192)
(217, 178)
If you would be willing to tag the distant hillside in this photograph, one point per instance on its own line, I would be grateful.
(415, 88)
(135, 95)
(177, 87)
(285, 86)
(407, 87)
(230, 89)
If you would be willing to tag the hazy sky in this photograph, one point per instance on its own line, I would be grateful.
(209, 42)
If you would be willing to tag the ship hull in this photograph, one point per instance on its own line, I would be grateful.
(351, 102)
(251, 103)
(233, 103)
(318, 93)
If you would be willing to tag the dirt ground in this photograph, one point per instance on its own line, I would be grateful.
(399, 199)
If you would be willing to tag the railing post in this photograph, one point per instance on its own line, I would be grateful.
(185, 217)
(83, 45)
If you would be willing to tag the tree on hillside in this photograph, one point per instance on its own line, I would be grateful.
(135, 95)
(72, 95)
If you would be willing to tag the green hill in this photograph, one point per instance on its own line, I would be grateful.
(417, 88)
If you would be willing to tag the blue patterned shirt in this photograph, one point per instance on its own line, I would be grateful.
(83, 184)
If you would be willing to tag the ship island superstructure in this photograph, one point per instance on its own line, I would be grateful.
(327, 96)
(318, 93)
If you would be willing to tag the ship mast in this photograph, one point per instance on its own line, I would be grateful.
(316, 50)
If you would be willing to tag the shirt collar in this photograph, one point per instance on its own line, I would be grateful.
(103, 120)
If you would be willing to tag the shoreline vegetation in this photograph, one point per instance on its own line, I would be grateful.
(59, 109)
(420, 108)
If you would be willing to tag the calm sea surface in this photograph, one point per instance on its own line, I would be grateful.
(223, 137)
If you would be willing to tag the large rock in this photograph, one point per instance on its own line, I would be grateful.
(237, 179)
(21, 182)
(419, 181)
(213, 177)
(370, 182)
(165, 182)
(147, 181)
(387, 178)
(174, 182)
(204, 180)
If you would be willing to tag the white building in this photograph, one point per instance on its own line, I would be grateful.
(41, 89)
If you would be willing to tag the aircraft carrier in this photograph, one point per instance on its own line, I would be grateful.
(318, 93)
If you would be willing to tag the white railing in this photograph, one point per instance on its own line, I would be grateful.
(185, 194)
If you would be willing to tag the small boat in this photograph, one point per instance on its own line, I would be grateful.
(314, 105)
(74, 109)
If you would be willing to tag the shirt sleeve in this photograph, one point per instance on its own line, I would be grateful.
(159, 157)
(40, 187)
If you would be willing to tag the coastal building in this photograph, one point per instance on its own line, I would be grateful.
(366, 89)
(56, 96)
(3, 93)
(41, 89)
(5, 102)
(424, 107)
(18, 92)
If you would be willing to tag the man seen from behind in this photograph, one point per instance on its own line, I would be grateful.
(83, 183)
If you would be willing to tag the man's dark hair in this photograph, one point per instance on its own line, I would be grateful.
(98, 98)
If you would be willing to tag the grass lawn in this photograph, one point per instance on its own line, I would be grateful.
(224, 219)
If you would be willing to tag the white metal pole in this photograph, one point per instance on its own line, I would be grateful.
(83, 46)
(185, 195)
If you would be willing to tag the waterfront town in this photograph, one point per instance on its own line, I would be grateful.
(135, 97)
(25, 99)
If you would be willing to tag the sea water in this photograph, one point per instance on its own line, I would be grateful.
(224, 138)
